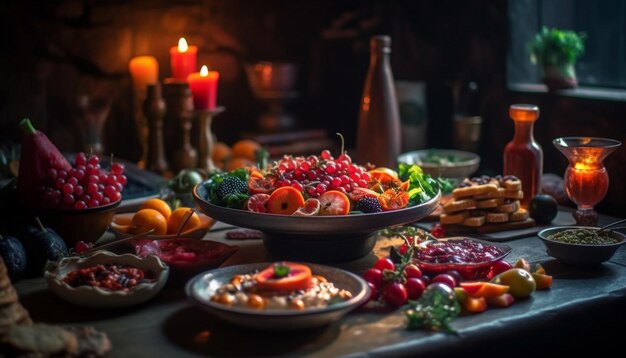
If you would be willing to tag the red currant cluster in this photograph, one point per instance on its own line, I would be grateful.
(317, 174)
(396, 284)
(86, 185)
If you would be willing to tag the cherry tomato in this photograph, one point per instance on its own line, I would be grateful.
(384, 263)
(394, 294)
(374, 276)
(498, 268)
(445, 279)
(298, 278)
(414, 288)
(437, 231)
(373, 292)
(412, 271)
(456, 275)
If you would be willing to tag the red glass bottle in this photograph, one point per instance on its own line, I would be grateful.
(523, 156)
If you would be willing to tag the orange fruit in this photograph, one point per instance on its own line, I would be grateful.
(221, 152)
(158, 205)
(257, 203)
(147, 219)
(177, 218)
(246, 148)
(311, 208)
(285, 200)
(239, 162)
(393, 200)
(334, 202)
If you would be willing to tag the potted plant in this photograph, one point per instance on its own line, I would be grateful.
(557, 51)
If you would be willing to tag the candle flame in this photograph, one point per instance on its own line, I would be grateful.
(182, 45)
(204, 71)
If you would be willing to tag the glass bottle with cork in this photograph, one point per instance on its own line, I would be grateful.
(378, 136)
(523, 156)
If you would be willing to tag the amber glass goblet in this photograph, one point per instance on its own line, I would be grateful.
(586, 178)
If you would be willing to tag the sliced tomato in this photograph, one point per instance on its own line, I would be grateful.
(261, 184)
(299, 277)
(543, 281)
(334, 202)
(257, 203)
(393, 199)
(471, 287)
(475, 304)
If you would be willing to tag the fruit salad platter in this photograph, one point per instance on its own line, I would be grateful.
(319, 208)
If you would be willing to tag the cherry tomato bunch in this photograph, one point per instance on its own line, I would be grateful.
(395, 283)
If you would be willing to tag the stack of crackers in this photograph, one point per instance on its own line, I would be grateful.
(19, 336)
(485, 200)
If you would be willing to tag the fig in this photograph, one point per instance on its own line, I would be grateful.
(14, 256)
(543, 208)
(42, 245)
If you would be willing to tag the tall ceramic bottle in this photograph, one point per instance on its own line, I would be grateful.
(378, 137)
(523, 156)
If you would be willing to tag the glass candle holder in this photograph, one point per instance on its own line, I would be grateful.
(586, 178)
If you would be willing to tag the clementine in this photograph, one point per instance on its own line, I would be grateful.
(147, 219)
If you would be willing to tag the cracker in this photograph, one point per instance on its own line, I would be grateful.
(508, 207)
(90, 341)
(520, 215)
(494, 194)
(513, 194)
(474, 221)
(497, 217)
(458, 205)
(489, 203)
(8, 295)
(512, 183)
(12, 313)
(42, 339)
(469, 191)
(453, 218)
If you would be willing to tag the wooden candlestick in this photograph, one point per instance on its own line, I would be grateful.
(180, 104)
(154, 109)
(205, 144)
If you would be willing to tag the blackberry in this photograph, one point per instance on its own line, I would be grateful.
(231, 185)
(368, 204)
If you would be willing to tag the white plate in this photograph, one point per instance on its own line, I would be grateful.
(200, 289)
(96, 297)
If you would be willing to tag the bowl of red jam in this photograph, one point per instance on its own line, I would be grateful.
(107, 280)
(186, 257)
(472, 258)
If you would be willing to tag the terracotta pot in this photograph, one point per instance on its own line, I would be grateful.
(560, 77)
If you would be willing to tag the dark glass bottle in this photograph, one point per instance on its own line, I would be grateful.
(378, 136)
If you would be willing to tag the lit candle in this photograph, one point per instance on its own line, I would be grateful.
(203, 86)
(183, 59)
(144, 71)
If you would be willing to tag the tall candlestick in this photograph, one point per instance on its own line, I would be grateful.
(183, 59)
(203, 86)
(144, 71)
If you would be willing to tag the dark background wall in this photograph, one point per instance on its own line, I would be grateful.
(55, 51)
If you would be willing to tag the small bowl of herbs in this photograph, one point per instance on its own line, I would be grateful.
(446, 163)
(581, 245)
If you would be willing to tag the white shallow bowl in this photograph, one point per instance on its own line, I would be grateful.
(96, 297)
(200, 289)
(466, 165)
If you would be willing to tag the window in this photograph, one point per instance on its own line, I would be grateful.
(604, 62)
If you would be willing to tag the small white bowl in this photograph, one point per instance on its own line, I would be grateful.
(96, 297)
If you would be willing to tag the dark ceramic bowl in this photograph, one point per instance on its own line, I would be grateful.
(202, 287)
(333, 238)
(79, 225)
(578, 254)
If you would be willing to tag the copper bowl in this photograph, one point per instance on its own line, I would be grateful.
(79, 225)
